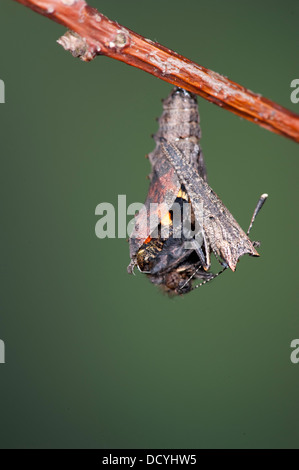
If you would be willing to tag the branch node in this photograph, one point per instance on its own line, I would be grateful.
(77, 46)
(122, 39)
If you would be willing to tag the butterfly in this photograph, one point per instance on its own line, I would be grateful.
(183, 221)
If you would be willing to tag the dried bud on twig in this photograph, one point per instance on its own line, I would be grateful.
(77, 46)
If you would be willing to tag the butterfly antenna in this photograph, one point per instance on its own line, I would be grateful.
(225, 266)
(211, 278)
(259, 205)
(189, 279)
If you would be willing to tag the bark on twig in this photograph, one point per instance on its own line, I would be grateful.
(99, 35)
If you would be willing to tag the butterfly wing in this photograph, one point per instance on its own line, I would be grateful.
(225, 237)
(178, 123)
(162, 193)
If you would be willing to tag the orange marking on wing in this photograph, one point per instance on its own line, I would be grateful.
(166, 219)
(182, 194)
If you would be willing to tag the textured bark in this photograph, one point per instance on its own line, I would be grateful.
(102, 36)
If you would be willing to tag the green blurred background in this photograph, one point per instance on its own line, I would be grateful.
(98, 358)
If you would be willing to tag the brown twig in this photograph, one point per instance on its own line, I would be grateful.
(98, 35)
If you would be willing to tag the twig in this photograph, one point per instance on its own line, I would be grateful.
(99, 35)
